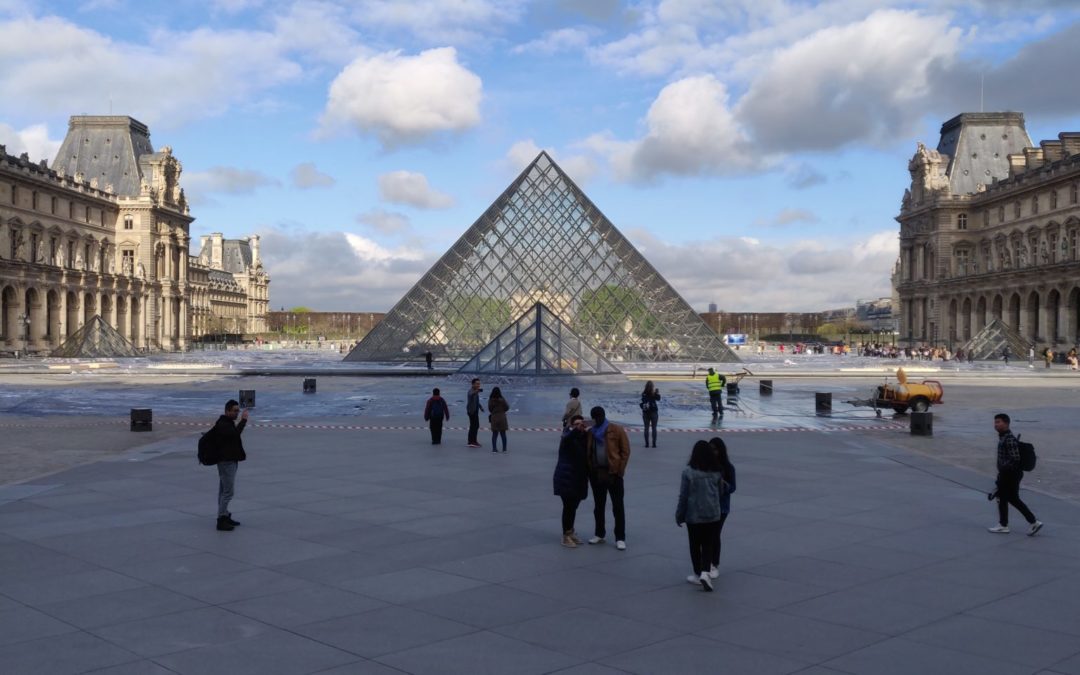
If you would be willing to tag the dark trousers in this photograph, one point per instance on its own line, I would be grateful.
(649, 418)
(496, 435)
(569, 512)
(702, 542)
(719, 531)
(603, 484)
(436, 431)
(716, 400)
(1008, 487)
(474, 427)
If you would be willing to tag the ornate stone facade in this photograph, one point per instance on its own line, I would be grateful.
(989, 229)
(232, 296)
(106, 231)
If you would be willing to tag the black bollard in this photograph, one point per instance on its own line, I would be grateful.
(247, 398)
(823, 403)
(309, 385)
(922, 424)
(142, 419)
(765, 388)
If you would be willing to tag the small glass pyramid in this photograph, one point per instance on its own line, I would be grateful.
(96, 339)
(990, 342)
(543, 241)
(538, 343)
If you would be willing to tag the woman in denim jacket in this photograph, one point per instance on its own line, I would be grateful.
(700, 491)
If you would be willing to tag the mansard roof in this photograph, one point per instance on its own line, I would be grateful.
(979, 145)
(106, 147)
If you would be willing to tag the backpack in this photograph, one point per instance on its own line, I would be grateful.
(438, 409)
(208, 450)
(1027, 455)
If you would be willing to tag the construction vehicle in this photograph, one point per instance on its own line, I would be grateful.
(904, 394)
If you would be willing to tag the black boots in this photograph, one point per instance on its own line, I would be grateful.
(225, 524)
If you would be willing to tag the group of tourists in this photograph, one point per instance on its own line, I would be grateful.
(437, 411)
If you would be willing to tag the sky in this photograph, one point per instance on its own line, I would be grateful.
(755, 151)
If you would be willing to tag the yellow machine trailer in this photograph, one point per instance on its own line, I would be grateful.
(918, 396)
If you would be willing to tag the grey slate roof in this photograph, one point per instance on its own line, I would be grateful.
(106, 147)
(979, 145)
(236, 255)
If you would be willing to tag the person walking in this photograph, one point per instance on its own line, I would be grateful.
(608, 455)
(727, 470)
(650, 411)
(1005, 353)
(1031, 356)
(473, 409)
(230, 450)
(699, 508)
(1008, 479)
(714, 383)
(1049, 356)
(497, 409)
(571, 477)
(428, 357)
(573, 407)
(435, 412)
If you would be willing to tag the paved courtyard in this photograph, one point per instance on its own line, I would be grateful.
(371, 551)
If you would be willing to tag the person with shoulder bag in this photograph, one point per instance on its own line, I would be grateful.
(650, 411)
(1010, 473)
(497, 409)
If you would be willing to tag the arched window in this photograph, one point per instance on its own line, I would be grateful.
(961, 221)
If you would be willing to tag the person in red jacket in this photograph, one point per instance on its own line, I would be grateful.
(436, 410)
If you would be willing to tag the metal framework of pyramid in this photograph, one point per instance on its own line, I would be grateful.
(539, 343)
(989, 342)
(543, 241)
(96, 339)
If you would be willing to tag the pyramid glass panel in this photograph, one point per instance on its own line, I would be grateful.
(538, 343)
(991, 341)
(543, 241)
(97, 339)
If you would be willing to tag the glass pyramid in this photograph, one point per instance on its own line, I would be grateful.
(538, 343)
(543, 241)
(990, 342)
(96, 339)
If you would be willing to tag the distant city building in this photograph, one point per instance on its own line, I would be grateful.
(104, 231)
(232, 292)
(875, 315)
(988, 230)
(712, 308)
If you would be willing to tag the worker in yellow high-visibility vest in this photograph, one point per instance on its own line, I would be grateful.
(715, 382)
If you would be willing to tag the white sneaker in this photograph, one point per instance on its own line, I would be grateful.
(1035, 527)
(999, 529)
(596, 540)
(713, 572)
(621, 545)
(693, 579)
(706, 582)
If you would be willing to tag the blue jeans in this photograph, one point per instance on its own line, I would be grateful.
(226, 481)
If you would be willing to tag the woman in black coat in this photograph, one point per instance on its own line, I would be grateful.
(571, 479)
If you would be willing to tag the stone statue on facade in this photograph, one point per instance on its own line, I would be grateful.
(1044, 254)
(127, 270)
(927, 174)
(40, 256)
(58, 259)
(140, 271)
(79, 262)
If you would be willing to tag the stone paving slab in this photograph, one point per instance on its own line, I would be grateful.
(379, 553)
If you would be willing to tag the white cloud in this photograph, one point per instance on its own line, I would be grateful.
(441, 21)
(555, 42)
(336, 270)
(384, 222)
(52, 64)
(33, 140)
(867, 80)
(320, 30)
(305, 176)
(404, 99)
(690, 130)
(407, 187)
(223, 180)
(803, 275)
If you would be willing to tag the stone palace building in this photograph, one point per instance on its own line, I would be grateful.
(988, 229)
(105, 230)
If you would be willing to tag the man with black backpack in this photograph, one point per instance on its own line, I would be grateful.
(435, 412)
(230, 452)
(1010, 472)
